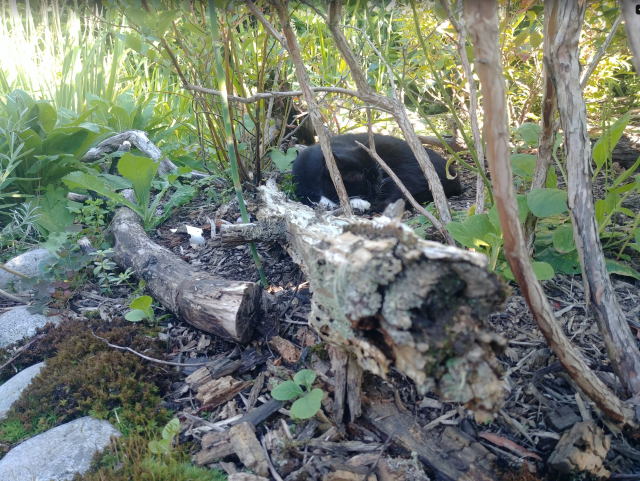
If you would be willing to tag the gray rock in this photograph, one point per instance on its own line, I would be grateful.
(57, 454)
(18, 323)
(27, 264)
(10, 391)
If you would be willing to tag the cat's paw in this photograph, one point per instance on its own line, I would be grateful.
(360, 204)
(326, 203)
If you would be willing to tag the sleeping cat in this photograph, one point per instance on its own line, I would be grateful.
(368, 186)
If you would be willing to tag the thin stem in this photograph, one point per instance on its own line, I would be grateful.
(233, 162)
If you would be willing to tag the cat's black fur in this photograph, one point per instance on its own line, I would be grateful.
(362, 176)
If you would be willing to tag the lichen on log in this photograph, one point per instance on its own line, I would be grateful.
(394, 299)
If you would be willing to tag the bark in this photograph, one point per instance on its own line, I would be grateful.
(482, 19)
(141, 141)
(228, 309)
(564, 69)
(632, 27)
(392, 105)
(473, 101)
(451, 455)
(390, 298)
(290, 42)
(547, 137)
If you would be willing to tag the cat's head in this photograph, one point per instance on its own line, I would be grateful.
(360, 173)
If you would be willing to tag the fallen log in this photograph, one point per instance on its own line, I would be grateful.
(391, 298)
(141, 141)
(228, 309)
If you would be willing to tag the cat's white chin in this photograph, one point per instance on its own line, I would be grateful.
(360, 204)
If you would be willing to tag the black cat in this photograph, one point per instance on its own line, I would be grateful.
(368, 186)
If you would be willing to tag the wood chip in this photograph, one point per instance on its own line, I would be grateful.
(247, 447)
(219, 391)
(287, 350)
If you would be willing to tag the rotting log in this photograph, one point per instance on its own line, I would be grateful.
(391, 298)
(228, 309)
(141, 141)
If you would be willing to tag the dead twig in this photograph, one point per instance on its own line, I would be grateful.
(20, 351)
(157, 361)
(11, 271)
(375, 463)
(11, 297)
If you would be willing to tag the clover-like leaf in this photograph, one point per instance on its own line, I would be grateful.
(307, 406)
(287, 391)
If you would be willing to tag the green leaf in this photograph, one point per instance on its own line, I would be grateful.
(529, 133)
(140, 171)
(133, 42)
(195, 29)
(552, 178)
(135, 316)
(307, 406)
(460, 234)
(171, 429)
(305, 378)
(283, 161)
(601, 210)
(115, 181)
(286, 391)
(86, 181)
(47, 115)
(616, 267)
(181, 196)
(542, 270)
(608, 140)
(563, 239)
(522, 36)
(52, 208)
(547, 202)
(120, 119)
(143, 303)
(523, 165)
(566, 263)
(479, 227)
(165, 19)
(535, 40)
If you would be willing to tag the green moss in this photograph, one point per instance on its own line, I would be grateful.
(320, 351)
(88, 377)
(129, 458)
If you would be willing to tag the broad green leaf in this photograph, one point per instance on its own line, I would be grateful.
(609, 139)
(47, 115)
(535, 40)
(287, 391)
(115, 181)
(478, 226)
(615, 267)
(283, 161)
(542, 270)
(520, 39)
(119, 120)
(547, 202)
(171, 429)
(52, 208)
(305, 378)
(135, 316)
(32, 142)
(181, 196)
(523, 165)
(248, 123)
(18, 104)
(563, 239)
(195, 29)
(165, 19)
(140, 171)
(143, 303)
(530, 132)
(307, 406)
(601, 210)
(461, 234)
(133, 42)
(566, 263)
(86, 181)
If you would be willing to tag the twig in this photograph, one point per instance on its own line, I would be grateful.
(157, 361)
(600, 53)
(436, 223)
(292, 297)
(375, 463)
(274, 473)
(20, 351)
(11, 297)
(11, 271)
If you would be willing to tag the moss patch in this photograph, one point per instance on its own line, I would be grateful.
(85, 376)
(129, 458)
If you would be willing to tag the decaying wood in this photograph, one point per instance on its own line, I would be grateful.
(454, 143)
(482, 21)
(564, 69)
(214, 446)
(584, 448)
(219, 391)
(141, 141)
(222, 365)
(452, 455)
(225, 308)
(632, 27)
(392, 298)
(247, 447)
(267, 230)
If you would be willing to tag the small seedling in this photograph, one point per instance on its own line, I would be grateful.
(170, 431)
(309, 400)
(141, 309)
